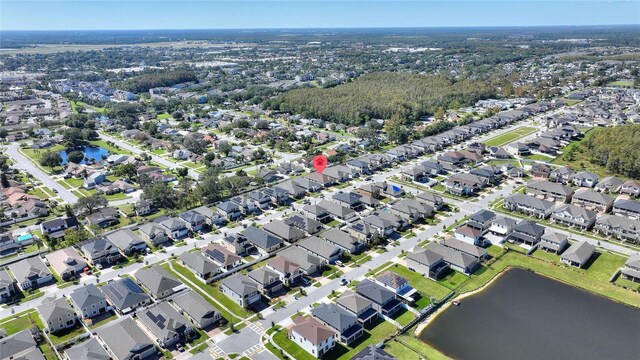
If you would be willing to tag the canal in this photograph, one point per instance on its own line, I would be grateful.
(523, 315)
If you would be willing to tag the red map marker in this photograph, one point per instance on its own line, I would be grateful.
(320, 162)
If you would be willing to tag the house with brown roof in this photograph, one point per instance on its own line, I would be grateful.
(313, 336)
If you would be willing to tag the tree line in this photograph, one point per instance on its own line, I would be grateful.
(617, 149)
(142, 83)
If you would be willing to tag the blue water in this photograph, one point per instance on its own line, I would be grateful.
(90, 152)
(25, 237)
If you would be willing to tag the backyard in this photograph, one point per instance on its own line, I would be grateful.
(510, 136)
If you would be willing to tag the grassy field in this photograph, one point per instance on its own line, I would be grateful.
(21, 321)
(510, 136)
(401, 352)
(621, 83)
(425, 286)
(111, 149)
(403, 317)
(425, 349)
(539, 157)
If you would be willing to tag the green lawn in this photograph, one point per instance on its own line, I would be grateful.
(118, 196)
(425, 349)
(66, 335)
(627, 283)
(510, 136)
(111, 149)
(103, 321)
(622, 83)
(425, 286)
(539, 157)
(403, 317)
(401, 352)
(24, 320)
(163, 116)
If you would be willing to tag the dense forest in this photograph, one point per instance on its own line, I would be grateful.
(381, 95)
(142, 83)
(617, 149)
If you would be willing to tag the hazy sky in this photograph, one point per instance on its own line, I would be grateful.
(212, 14)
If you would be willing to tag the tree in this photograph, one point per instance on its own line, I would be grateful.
(75, 156)
(4, 182)
(209, 186)
(68, 211)
(50, 159)
(224, 148)
(73, 138)
(3, 133)
(127, 170)
(182, 172)
(75, 236)
(91, 203)
(233, 184)
(161, 195)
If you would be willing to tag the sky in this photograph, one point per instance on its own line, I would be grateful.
(239, 14)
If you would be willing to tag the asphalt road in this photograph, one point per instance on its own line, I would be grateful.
(23, 163)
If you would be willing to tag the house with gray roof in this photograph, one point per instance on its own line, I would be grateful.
(304, 223)
(204, 268)
(627, 208)
(31, 273)
(288, 272)
(359, 306)
(317, 213)
(89, 301)
(619, 227)
(574, 216)
(631, 269)
(411, 210)
(57, 315)
(320, 248)
(88, 350)
(176, 228)
(166, 324)
(526, 232)
(592, 200)
(125, 295)
(211, 217)
(241, 289)
(308, 184)
(342, 321)
(578, 254)
(127, 241)
(336, 210)
(384, 300)
(7, 286)
(529, 205)
(350, 200)
(263, 240)
(268, 281)
(281, 229)
(154, 234)
(585, 179)
(343, 240)
(157, 281)
(464, 247)
(195, 221)
(230, 210)
(426, 262)
(553, 242)
(124, 340)
(101, 251)
(631, 187)
(293, 189)
(309, 263)
(457, 260)
(372, 352)
(198, 310)
(609, 184)
(502, 225)
(20, 345)
(547, 190)
(431, 199)
(222, 256)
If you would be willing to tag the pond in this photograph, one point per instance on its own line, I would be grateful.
(93, 153)
(523, 315)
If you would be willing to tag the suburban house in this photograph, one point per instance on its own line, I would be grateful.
(211, 217)
(431, 199)
(310, 334)
(383, 300)
(578, 254)
(31, 273)
(20, 345)
(627, 208)
(309, 263)
(125, 295)
(396, 283)
(553, 242)
(336, 210)
(529, 205)
(101, 251)
(260, 199)
(631, 269)
(67, 262)
(457, 260)
(124, 340)
(351, 200)
(526, 232)
(143, 207)
(277, 195)
(288, 271)
(176, 228)
(268, 281)
(562, 175)
(427, 263)
(55, 228)
(359, 306)
(198, 310)
(88, 350)
(195, 221)
(166, 324)
(241, 289)
(103, 218)
(7, 287)
(284, 231)
(157, 281)
(631, 187)
(155, 234)
(220, 255)
(464, 184)
(89, 301)
(411, 210)
(574, 216)
(470, 235)
(320, 248)
(548, 190)
(464, 247)
(585, 179)
(342, 240)
(264, 241)
(502, 225)
(592, 200)
(317, 213)
(127, 241)
(57, 315)
(230, 210)
(200, 265)
(609, 184)
(306, 224)
(340, 320)
(619, 227)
